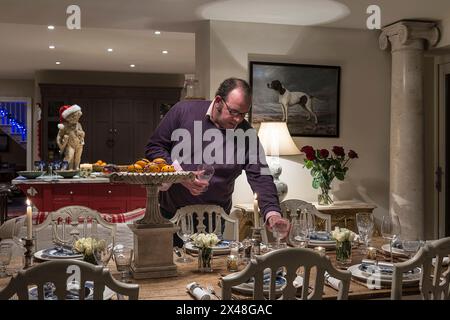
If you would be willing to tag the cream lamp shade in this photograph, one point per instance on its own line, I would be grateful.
(276, 139)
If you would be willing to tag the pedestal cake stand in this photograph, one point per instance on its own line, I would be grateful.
(153, 234)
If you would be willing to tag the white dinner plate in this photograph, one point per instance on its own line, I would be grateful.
(408, 278)
(247, 287)
(330, 243)
(222, 247)
(54, 254)
(72, 293)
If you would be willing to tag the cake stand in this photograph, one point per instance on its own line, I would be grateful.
(153, 234)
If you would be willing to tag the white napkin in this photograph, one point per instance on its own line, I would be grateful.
(198, 292)
(333, 282)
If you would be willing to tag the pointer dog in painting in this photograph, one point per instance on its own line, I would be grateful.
(291, 98)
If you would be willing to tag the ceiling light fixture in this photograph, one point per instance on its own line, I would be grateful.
(157, 32)
(110, 50)
(51, 27)
(132, 65)
(51, 47)
(57, 62)
(165, 52)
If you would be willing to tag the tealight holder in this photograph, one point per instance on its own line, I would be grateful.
(371, 253)
(320, 250)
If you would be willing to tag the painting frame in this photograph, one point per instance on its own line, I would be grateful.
(315, 87)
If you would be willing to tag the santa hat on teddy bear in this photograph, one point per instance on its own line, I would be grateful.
(65, 111)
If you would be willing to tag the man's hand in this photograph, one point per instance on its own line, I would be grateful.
(280, 223)
(196, 187)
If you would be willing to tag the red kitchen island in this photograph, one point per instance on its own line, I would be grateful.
(96, 193)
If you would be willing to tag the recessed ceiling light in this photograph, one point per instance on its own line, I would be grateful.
(51, 27)
(132, 65)
(110, 50)
(157, 32)
(51, 47)
(165, 52)
(57, 62)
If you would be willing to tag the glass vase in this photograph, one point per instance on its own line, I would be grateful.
(204, 259)
(90, 258)
(343, 253)
(324, 198)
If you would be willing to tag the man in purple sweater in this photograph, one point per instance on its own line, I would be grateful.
(196, 132)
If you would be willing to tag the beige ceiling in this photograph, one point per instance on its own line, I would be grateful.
(128, 26)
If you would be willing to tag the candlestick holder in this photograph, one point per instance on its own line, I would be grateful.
(28, 255)
(256, 240)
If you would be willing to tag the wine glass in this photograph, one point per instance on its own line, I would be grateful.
(103, 250)
(279, 229)
(411, 246)
(365, 224)
(298, 235)
(5, 258)
(390, 230)
(185, 231)
(205, 172)
(123, 257)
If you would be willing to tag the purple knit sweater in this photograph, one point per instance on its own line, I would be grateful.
(221, 187)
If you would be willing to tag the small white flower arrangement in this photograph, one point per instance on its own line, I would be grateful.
(87, 245)
(343, 234)
(205, 240)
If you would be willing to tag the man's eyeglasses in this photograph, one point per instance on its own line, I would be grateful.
(234, 112)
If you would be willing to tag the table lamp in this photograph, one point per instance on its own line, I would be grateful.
(277, 141)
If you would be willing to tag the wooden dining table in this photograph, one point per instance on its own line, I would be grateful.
(174, 288)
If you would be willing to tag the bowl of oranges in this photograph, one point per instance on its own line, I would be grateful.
(98, 166)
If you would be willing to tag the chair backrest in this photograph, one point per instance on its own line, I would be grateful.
(11, 228)
(184, 217)
(59, 274)
(435, 278)
(294, 206)
(65, 223)
(291, 260)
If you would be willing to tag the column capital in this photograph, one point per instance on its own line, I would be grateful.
(409, 35)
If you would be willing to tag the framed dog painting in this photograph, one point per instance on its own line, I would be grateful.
(305, 96)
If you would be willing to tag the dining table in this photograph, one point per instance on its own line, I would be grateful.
(174, 288)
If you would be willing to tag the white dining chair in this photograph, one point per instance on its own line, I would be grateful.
(292, 207)
(435, 277)
(72, 222)
(291, 260)
(215, 214)
(59, 274)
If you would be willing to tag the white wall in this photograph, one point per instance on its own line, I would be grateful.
(364, 102)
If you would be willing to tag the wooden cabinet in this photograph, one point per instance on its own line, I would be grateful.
(118, 121)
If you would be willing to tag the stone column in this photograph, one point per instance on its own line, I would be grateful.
(408, 40)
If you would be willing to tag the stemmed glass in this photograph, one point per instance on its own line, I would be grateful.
(411, 246)
(185, 231)
(390, 230)
(298, 235)
(123, 257)
(205, 172)
(5, 258)
(365, 224)
(278, 230)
